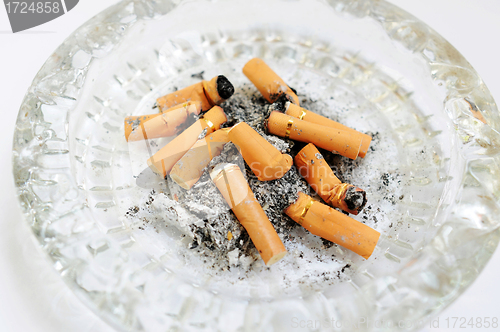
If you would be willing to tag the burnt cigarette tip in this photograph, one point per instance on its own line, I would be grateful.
(280, 104)
(355, 199)
(224, 87)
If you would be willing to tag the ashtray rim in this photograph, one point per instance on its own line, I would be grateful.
(445, 242)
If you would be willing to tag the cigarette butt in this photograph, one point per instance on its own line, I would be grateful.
(209, 93)
(306, 115)
(234, 188)
(345, 143)
(188, 170)
(218, 89)
(313, 167)
(270, 85)
(162, 161)
(332, 225)
(266, 162)
(158, 125)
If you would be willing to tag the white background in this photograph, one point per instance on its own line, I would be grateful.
(33, 298)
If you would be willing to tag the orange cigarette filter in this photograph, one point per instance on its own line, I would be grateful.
(209, 93)
(234, 188)
(313, 167)
(266, 162)
(332, 225)
(345, 143)
(306, 115)
(188, 170)
(162, 161)
(270, 85)
(158, 125)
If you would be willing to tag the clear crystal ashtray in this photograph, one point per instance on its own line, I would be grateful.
(432, 175)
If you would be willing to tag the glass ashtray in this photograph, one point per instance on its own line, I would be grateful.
(432, 175)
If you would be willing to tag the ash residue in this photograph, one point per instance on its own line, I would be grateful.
(199, 75)
(355, 199)
(202, 214)
(386, 181)
(253, 110)
(276, 195)
(205, 220)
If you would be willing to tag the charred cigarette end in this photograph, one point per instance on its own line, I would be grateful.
(355, 199)
(217, 90)
(280, 103)
(224, 87)
(282, 97)
(334, 226)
